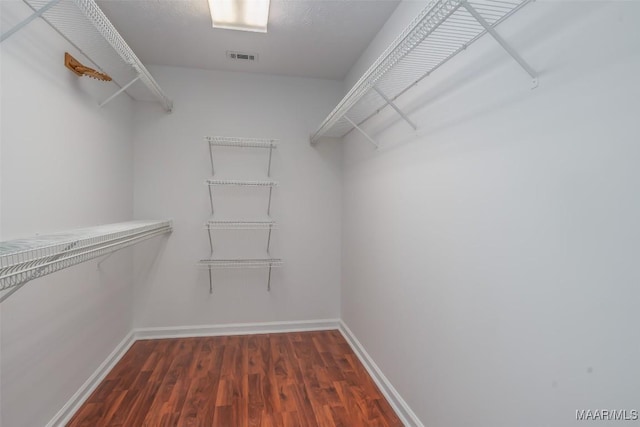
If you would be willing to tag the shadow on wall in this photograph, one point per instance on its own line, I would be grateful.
(146, 257)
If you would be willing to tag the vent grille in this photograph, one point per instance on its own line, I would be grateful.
(242, 56)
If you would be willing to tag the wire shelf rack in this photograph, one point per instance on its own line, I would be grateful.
(240, 263)
(229, 224)
(237, 263)
(216, 223)
(226, 141)
(441, 30)
(83, 24)
(213, 181)
(23, 260)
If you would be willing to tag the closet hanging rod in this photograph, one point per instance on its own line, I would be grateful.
(23, 260)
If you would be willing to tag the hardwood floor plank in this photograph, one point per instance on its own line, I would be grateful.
(303, 379)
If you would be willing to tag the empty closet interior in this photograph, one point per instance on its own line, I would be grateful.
(443, 191)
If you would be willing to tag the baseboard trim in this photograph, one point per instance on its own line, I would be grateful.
(236, 329)
(401, 408)
(65, 414)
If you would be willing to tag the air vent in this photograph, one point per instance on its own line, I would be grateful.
(242, 56)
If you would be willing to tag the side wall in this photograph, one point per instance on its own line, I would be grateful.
(171, 165)
(65, 164)
(490, 259)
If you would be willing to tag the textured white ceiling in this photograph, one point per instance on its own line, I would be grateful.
(317, 38)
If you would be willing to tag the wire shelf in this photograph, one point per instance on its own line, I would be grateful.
(23, 260)
(226, 141)
(441, 30)
(227, 224)
(83, 24)
(212, 182)
(240, 263)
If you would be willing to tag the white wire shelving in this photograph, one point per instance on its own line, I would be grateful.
(226, 141)
(442, 30)
(23, 260)
(242, 183)
(83, 24)
(264, 223)
(240, 224)
(217, 263)
(240, 142)
(240, 263)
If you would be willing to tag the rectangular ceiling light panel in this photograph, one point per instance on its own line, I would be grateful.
(244, 15)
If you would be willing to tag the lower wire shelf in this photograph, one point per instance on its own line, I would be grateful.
(244, 224)
(215, 263)
(240, 263)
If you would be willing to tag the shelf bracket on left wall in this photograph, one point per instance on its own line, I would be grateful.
(122, 89)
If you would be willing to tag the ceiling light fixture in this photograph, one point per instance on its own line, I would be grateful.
(243, 15)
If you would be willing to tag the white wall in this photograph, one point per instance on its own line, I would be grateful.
(490, 259)
(65, 164)
(171, 165)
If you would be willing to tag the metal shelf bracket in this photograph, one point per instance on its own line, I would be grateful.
(359, 129)
(122, 89)
(502, 42)
(395, 107)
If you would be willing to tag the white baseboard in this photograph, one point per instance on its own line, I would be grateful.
(402, 409)
(236, 329)
(71, 407)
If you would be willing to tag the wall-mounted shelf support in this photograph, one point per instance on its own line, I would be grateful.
(395, 107)
(36, 14)
(122, 89)
(359, 129)
(502, 42)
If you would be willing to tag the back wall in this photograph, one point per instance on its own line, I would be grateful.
(171, 165)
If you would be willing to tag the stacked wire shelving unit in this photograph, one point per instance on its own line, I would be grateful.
(23, 260)
(255, 223)
(441, 30)
(83, 24)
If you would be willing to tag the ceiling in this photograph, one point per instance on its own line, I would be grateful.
(305, 38)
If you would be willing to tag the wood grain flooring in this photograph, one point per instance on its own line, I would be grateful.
(293, 379)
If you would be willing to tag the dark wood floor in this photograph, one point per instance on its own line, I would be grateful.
(294, 379)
